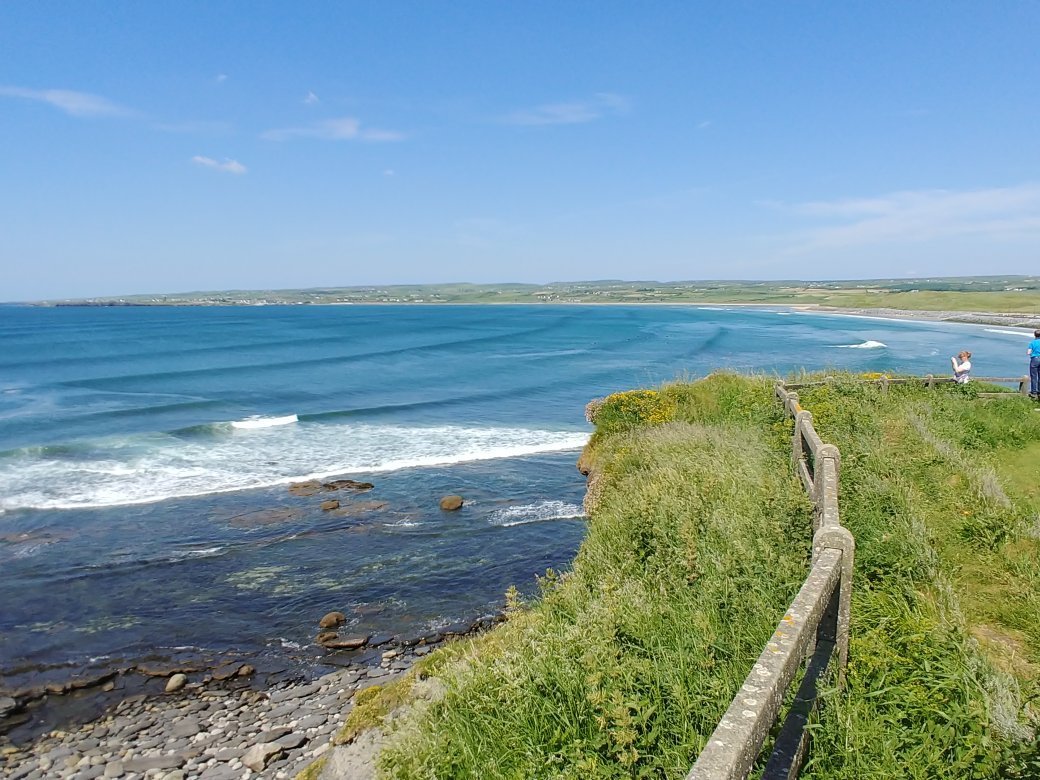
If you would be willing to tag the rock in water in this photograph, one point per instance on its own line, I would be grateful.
(332, 619)
(176, 682)
(451, 503)
(328, 506)
(347, 484)
(259, 756)
(308, 488)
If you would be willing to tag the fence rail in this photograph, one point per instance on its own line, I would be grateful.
(814, 629)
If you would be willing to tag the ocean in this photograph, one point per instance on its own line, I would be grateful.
(146, 456)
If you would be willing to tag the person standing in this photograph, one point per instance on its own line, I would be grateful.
(1034, 366)
(962, 369)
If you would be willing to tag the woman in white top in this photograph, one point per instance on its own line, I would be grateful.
(961, 367)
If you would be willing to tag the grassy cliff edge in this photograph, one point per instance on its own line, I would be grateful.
(698, 538)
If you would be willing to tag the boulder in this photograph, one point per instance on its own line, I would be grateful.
(245, 670)
(332, 619)
(7, 704)
(328, 506)
(325, 636)
(347, 484)
(176, 682)
(451, 503)
(259, 756)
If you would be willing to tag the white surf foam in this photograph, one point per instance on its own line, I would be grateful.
(538, 512)
(1027, 334)
(146, 469)
(257, 421)
(864, 345)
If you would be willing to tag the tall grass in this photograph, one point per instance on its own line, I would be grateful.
(925, 696)
(627, 662)
(698, 538)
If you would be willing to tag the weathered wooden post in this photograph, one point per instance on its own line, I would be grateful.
(883, 383)
(930, 381)
(1023, 385)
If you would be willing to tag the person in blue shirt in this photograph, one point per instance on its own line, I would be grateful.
(1034, 366)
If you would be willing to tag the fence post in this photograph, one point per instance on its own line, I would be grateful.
(839, 538)
(930, 381)
(797, 443)
(883, 384)
(1023, 385)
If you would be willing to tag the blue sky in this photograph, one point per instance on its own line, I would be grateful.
(162, 147)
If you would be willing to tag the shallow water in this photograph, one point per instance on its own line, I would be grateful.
(145, 455)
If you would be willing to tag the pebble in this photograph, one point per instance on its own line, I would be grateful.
(208, 733)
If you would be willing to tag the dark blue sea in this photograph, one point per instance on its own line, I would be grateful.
(146, 454)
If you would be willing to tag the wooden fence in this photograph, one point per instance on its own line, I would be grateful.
(815, 627)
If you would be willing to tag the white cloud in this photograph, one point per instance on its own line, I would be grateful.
(389, 172)
(82, 104)
(228, 166)
(220, 78)
(921, 215)
(311, 99)
(704, 125)
(342, 129)
(570, 113)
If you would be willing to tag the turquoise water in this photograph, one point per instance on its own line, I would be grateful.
(145, 455)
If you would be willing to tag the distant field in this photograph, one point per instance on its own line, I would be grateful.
(974, 294)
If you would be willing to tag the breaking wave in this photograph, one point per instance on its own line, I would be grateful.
(535, 513)
(146, 468)
(864, 345)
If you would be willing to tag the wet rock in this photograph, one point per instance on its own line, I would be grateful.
(332, 619)
(165, 669)
(451, 503)
(360, 508)
(432, 639)
(325, 636)
(263, 518)
(379, 639)
(347, 484)
(328, 506)
(457, 629)
(308, 488)
(225, 671)
(352, 642)
(259, 756)
(7, 705)
(175, 683)
(246, 670)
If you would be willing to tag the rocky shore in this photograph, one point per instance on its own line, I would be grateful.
(212, 732)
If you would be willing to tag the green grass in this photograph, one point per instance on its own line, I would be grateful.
(698, 538)
(945, 608)
(625, 665)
